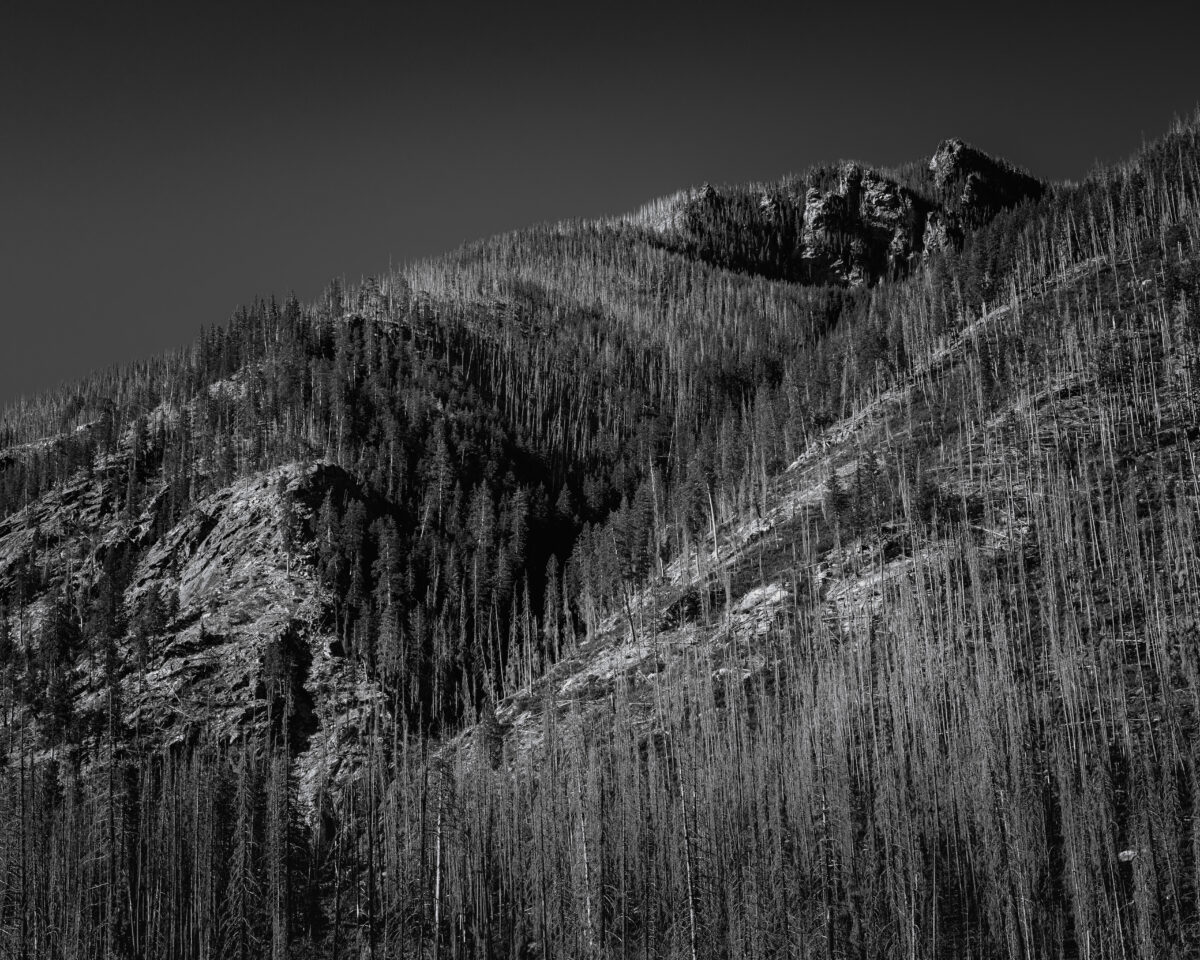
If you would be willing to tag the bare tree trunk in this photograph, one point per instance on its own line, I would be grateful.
(687, 856)
(437, 883)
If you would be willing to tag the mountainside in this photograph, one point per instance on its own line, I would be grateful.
(801, 569)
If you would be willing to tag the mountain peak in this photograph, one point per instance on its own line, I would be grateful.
(951, 157)
(988, 184)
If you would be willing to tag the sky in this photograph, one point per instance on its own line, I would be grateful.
(162, 163)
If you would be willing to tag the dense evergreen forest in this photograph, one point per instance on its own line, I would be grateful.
(804, 569)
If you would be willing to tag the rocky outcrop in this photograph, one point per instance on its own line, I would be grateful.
(824, 234)
(225, 629)
(976, 186)
(851, 229)
(867, 228)
(943, 231)
(225, 570)
(252, 641)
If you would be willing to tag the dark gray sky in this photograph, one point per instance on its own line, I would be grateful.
(161, 163)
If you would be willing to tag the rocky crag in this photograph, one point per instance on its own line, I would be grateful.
(850, 225)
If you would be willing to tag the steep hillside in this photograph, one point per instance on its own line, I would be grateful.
(803, 569)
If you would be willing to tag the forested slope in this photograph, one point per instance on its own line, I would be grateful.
(795, 569)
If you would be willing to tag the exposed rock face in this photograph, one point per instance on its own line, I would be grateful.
(237, 594)
(942, 232)
(894, 219)
(826, 223)
(78, 519)
(867, 228)
(863, 228)
(244, 605)
(950, 160)
(244, 640)
(984, 185)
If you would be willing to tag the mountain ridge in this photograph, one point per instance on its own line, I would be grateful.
(748, 590)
